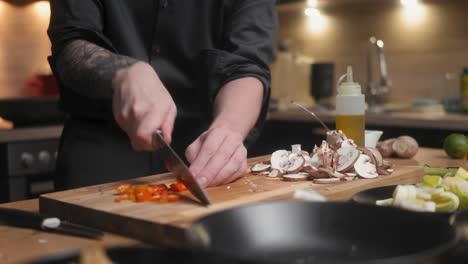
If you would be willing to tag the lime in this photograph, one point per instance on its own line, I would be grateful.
(455, 145)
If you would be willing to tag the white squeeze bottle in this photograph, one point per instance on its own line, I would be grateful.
(350, 108)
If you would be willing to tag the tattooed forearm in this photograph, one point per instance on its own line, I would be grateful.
(89, 69)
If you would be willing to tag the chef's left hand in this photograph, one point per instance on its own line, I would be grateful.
(218, 156)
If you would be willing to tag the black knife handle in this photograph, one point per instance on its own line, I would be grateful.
(19, 218)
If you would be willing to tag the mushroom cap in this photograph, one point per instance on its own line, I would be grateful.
(279, 159)
(316, 159)
(296, 163)
(296, 148)
(327, 180)
(260, 167)
(377, 155)
(365, 168)
(275, 173)
(296, 177)
(347, 157)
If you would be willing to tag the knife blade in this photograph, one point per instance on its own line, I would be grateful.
(175, 164)
(25, 219)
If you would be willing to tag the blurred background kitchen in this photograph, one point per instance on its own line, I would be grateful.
(412, 52)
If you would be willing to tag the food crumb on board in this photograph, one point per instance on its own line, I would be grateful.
(228, 187)
(42, 241)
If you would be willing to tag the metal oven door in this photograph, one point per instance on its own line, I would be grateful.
(27, 169)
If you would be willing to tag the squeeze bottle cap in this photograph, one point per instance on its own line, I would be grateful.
(348, 86)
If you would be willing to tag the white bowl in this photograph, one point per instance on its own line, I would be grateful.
(371, 137)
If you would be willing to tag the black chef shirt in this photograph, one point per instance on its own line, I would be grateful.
(195, 46)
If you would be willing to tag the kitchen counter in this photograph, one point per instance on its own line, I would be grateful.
(30, 134)
(436, 121)
(19, 245)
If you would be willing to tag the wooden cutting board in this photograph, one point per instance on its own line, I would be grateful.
(165, 223)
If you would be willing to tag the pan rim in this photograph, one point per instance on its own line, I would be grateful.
(434, 251)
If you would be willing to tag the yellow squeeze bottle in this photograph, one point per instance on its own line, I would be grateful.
(350, 108)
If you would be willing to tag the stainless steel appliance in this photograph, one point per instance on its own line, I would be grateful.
(27, 162)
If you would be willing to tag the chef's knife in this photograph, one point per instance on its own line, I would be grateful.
(25, 219)
(175, 164)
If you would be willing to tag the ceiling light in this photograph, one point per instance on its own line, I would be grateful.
(409, 3)
(312, 3)
(311, 12)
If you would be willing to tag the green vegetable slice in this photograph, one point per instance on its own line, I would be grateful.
(385, 202)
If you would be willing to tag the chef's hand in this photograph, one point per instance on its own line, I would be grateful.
(218, 156)
(141, 105)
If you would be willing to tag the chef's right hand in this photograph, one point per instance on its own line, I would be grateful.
(141, 105)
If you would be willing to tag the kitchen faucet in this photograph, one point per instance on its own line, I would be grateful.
(376, 94)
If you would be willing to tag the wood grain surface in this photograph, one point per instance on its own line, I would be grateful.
(165, 223)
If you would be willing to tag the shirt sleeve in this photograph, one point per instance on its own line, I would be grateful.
(76, 19)
(71, 20)
(249, 39)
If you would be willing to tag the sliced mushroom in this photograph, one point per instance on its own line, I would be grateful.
(296, 148)
(292, 155)
(348, 143)
(368, 152)
(351, 174)
(314, 150)
(324, 147)
(308, 160)
(365, 168)
(347, 156)
(313, 172)
(279, 160)
(296, 164)
(327, 160)
(348, 178)
(331, 173)
(327, 180)
(295, 177)
(334, 139)
(275, 173)
(387, 164)
(382, 171)
(260, 167)
(377, 155)
(316, 159)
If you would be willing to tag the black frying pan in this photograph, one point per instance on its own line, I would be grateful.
(370, 196)
(146, 255)
(306, 232)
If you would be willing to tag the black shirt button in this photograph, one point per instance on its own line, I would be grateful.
(164, 3)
